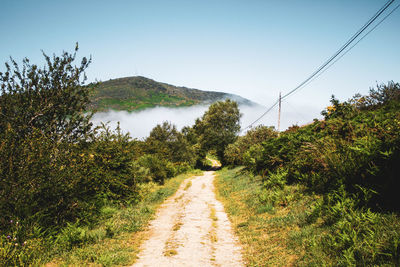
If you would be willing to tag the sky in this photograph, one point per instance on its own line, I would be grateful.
(252, 48)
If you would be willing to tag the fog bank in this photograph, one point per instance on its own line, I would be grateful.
(140, 123)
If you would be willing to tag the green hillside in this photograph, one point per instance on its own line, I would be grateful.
(136, 93)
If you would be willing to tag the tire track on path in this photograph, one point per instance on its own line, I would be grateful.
(191, 228)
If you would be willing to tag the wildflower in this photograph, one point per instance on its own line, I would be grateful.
(11, 221)
(16, 244)
(23, 244)
(8, 237)
(16, 223)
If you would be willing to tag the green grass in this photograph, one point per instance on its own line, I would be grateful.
(283, 225)
(137, 103)
(118, 236)
(269, 233)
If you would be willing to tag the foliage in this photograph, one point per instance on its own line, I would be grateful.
(159, 168)
(51, 99)
(115, 173)
(42, 129)
(357, 236)
(218, 127)
(351, 159)
(57, 172)
(351, 147)
(234, 152)
(167, 142)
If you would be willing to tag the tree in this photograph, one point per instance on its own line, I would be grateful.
(51, 99)
(43, 129)
(166, 141)
(234, 152)
(218, 127)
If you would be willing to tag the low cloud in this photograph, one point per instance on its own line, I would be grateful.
(140, 123)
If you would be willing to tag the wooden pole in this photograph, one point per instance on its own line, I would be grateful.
(279, 114)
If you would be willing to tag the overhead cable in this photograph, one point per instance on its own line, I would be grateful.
(327, 64)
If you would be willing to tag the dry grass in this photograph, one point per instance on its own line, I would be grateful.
(179, 198)
(170, 248)
(188, 185)
(128, 225)
(264, 232)
(177, 226)
(213, 213)
(170, 252)
(213, 230)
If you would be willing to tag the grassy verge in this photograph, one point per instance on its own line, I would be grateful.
(267, 223)
(115, 241)
(286, 225)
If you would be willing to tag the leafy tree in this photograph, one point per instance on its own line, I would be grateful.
(166, 141)
(113, 154)
(159, 168)
(43, 130)
(383, 94)
(235, 151)
(51, 99)
(218, 127)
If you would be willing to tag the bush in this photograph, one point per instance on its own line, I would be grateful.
(160, 169)
(358, 236)
(167, 142)
(276, 180)
(20, 245)
(351, 158)
(42, 127)
(234, 152)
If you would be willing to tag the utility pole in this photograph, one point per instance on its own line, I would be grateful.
(279, 114)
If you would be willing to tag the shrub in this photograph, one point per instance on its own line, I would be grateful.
(159, 168)
(358, 236)
(234, 152)
(167, 142)
(218, 127)
(276, 180)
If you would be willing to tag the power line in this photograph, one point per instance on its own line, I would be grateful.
(348, 50)
(336, 54)
(259, 118)
(366, 25)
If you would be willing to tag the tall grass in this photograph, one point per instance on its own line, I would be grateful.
(282, 225)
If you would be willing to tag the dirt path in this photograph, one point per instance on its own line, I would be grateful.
(191, 229)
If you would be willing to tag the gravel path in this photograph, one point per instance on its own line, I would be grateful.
(191, 229)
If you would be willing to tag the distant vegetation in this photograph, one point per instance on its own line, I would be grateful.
(136, 93)
(334, 182)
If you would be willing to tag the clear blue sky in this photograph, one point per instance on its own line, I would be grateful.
(252, 48)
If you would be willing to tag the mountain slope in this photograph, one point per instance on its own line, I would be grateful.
(135, 93)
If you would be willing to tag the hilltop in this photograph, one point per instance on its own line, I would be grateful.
(136, 93)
